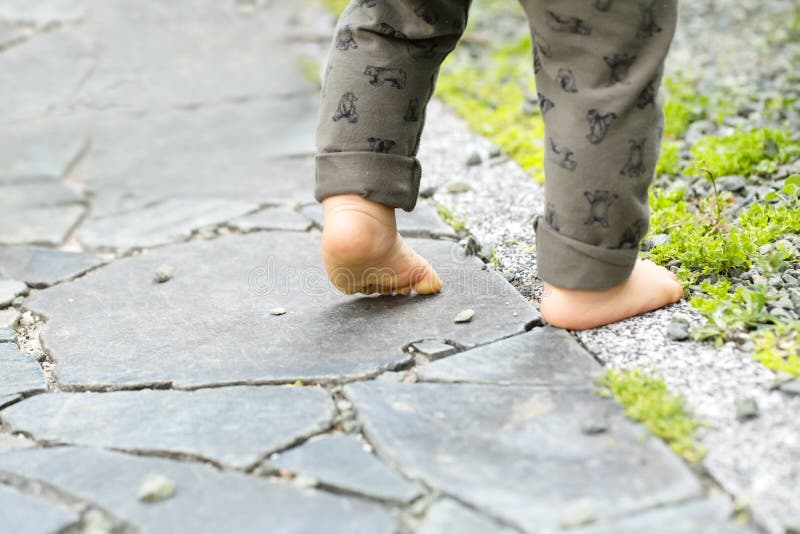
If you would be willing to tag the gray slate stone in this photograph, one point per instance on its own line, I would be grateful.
(9, 290)
(39, 150)
(36, 194)
(447, 516)
(341, 461)
(7, 335)
(35, 64)
(165, 222)
(272, 219)
(543, 356)
(9, 318)
(41, 12)
(19, 373)
(96, 331)
(257, 152)
(206, 500)
(41, 226)
(424, 221)
(434, 349)
(233, 426)
(709, 516)
(42, 267)
(22, 514)
(10, 443)
(215, 54)
(518, 452)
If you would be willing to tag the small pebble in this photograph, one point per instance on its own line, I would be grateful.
(464, 316)
(427, 192)
(678, 330)
(496, 152)
(791, 387)
(579, 513)
(277, 311)
(458, 187)
(731, 183)
(594, 426)
(471, 246)
(26, 319)
(746, 409)
(163, 274)
(156, 488)
(474, 159)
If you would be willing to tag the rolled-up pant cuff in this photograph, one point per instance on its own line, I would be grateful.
(571, 264)
(386, 178)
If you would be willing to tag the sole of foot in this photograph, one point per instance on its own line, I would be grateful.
(648, 288)
(363, 252)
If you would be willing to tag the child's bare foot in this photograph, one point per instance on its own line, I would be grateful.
(363, 253)
(649, 287)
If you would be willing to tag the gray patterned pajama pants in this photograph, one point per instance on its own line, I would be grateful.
(598, 66)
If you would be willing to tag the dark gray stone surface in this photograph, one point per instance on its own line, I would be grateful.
(205, 501)
(165, 222)
(518, 452)
(215, 53)
(23, 514)
(19, 373)
(40, 266)
(272, 219)
(210, 324)
(709, 516)
(9, 290)
(341, 461)
(447, 516)
(258, 152)
(543, 356)
(233, 426)
(424, 221)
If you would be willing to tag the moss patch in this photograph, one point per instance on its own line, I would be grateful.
(758, 151)
(647, 401)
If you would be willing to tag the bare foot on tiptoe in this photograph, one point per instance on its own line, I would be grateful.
(363, 253)
(649, 287)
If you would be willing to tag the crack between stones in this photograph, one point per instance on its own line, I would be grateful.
(44, 491)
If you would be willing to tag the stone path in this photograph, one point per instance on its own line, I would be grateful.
(139, 138)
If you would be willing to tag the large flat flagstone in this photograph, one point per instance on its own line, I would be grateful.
(39, 150)
(19, 374)
(272, 219)
(341, 461)
(447, 516)
(9, 290)
(543, 356)
(22, 514)
(41, 266)
(48, 225)
(42, 74)
(164, 222)
(424, 221)
(205, 500)
(257, 152)
(207, 51)
(211, 324)
(234, 426)
(518, 453)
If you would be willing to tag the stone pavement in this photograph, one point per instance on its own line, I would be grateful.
(144, 137)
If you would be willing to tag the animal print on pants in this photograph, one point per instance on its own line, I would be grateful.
(598, 67)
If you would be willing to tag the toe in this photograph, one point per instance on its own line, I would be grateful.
(428, 283)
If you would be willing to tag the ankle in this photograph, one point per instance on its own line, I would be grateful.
(349, 203)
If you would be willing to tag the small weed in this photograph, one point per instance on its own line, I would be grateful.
(450, 218)
(647, 401)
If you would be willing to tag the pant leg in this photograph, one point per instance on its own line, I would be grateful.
(381, 73)
(598, 68)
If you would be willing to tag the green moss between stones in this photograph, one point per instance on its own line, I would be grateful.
(758, 151)
(647, 400)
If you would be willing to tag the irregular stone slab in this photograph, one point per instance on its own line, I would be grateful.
(7, 335)
(39, 150)
(42, 12)
(272, 219)
(205, 501)
(424, 221)
(23, 514)
(30, 91)
(36, 194)
(42, 226)
(447, 516)
(215, 53)
(543, 356)
(165, 222)
(42, 267)
(118, 327)
(341, 461)
(233, 426)
(257, 152)
(434, 349)
(19, 373)
(9, 318)
(10, 443)
(711, 516)
(9, 290)
(518, 452)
